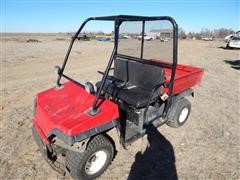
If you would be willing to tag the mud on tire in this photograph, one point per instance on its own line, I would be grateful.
(78, 163)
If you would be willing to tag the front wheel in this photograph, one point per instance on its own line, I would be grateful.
(93, 161)
(179, 113)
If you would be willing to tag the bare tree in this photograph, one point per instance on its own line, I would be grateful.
(195, 35)
(222, 32)
(182, 34)
(205, 32)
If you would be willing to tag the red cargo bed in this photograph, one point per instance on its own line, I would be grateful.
(185, 77)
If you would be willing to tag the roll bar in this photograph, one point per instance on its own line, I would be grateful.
(117, 22)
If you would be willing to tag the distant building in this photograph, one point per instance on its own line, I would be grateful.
(161, 33)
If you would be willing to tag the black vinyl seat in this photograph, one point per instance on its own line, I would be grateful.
(132, 95)
(134, 82)
(136, 97)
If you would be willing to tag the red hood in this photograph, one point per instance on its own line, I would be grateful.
(65, 109)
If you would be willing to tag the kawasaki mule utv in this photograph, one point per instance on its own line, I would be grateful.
(140, 86)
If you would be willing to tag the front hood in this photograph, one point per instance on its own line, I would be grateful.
(65, 110)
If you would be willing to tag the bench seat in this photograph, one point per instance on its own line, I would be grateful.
(134, 82)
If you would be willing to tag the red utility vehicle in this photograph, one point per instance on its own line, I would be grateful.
(72, 119)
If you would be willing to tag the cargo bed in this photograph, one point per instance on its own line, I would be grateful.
(185, 77)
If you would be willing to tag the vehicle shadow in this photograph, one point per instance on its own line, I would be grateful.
(223, 47)
(158, 160)
(235, 64)
(227, 48)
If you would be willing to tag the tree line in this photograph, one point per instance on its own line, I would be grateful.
(205, 32)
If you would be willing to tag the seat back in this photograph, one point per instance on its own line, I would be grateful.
(144, 75)
(121, 69)
(140, 74)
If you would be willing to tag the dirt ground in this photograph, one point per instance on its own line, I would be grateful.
(206, 147)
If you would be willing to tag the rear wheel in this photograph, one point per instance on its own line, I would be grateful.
(93, 161)
(179, 113)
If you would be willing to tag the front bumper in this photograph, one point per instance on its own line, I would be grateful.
(47, 151)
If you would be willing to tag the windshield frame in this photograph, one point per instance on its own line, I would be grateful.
(117, 23)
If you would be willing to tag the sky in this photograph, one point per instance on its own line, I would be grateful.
(66, 16)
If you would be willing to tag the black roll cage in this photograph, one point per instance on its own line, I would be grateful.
(117, 22)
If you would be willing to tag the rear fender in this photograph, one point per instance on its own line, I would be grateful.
(188, 92)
